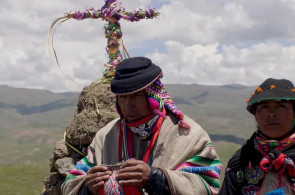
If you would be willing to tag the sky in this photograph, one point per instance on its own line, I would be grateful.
(210, 42)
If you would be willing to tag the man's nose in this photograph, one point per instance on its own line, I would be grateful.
(272, 112)
(129, 102)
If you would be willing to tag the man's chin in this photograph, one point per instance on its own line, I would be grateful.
(272, 127)
(273, 133)
(132, 119)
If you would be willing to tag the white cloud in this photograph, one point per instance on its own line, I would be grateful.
(1, 43)
(204, 64)
(209, 42)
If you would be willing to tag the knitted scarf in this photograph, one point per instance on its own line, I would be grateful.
(273, 158)
(264, 145)
(125, 137)
(143, 127)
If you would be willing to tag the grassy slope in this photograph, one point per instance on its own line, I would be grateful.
(28, 140)
(22, 179)
(32, 138)
(24, 156)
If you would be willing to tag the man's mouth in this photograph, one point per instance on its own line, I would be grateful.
(273, 124)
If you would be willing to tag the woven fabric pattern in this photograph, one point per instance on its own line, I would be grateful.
(208, 169)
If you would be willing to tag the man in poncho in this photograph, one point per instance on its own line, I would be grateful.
(265, 164)
(151, 149)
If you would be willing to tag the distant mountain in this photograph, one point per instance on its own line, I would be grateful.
(33, 97)
(32, 120)
(228, 94)
(219, 109)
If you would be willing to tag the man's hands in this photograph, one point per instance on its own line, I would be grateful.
(96, 177)
(134, 173)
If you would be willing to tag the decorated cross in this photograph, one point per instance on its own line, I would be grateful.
(112, 11)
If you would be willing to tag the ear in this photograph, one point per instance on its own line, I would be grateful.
(118, 108)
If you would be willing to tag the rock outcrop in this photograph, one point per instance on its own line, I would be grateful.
(95, 108)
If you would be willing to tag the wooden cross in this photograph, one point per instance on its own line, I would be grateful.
(111, 12)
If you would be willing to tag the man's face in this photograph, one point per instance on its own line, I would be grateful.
(274, 118)
(134, 106)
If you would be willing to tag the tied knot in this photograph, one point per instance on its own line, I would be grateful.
(277, 162)
(273, 161)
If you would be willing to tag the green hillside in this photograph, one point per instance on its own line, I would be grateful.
(22, 179)
(31, 121)
(219, 110)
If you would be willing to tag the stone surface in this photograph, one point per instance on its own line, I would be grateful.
(95, 108)
(52, 184)
(64, 165)
(61, 150)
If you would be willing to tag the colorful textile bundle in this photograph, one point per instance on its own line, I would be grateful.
(207, 169)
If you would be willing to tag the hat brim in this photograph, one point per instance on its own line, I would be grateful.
(265, 95)
(135, 82)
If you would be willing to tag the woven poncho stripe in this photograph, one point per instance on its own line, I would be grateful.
(206, 168)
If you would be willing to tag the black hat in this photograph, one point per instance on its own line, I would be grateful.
(272, 89)
(134, 74)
